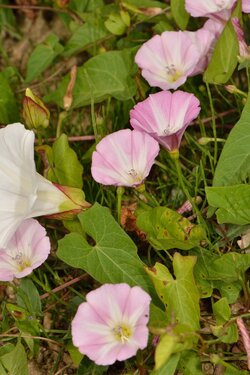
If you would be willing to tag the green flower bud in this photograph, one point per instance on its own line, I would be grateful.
(35, 113)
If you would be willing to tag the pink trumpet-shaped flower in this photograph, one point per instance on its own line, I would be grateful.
(217, 9)
(204, 40)
(124, 158)
(112, 324)
(246, 6)
(27, 249)
(165, 116)
(215, 27)
(168, 59)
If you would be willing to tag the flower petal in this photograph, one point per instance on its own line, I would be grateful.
(27, 249)
(123, 158)
(165, 116)
(108, 308)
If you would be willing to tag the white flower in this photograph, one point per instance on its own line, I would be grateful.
(23, 192)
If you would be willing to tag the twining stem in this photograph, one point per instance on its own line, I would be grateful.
(150, 199)
(219, 361)
(93, 120)
(175, 157)
(119, 192)
(213, 124)
(161, 165)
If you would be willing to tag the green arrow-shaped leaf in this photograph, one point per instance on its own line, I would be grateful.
(112, 258)
(180, 295)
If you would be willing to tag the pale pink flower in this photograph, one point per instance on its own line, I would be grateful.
(124, 158)
(215, 27)
(27, 249)
(165, 116)
(168, 59)
(205, 41)
(217, 9)
(112, 324)
(246, 6)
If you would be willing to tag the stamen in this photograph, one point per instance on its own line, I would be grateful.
(122, 333)
(172, 73)
(171, 70)
(221, 5)
(132, 172)
(21, 261)
(18, 258)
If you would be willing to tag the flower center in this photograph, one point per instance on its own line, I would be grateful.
(21, 261)
(136, 177)
(172, 73)
(221, 5)
(122, 333)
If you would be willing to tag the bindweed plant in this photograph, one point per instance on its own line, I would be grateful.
(124, 187)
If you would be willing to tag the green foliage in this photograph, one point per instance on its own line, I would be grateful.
(224, 273)
(179, 13)
(118, 23)
(166, 229)
(180, 294)
(88, 367)
(176, 340)
(190, 363)
(15, 362)
(101, 38)
(28, 297)
(234, 164)
(233, 203)
(74, 353)
(8, 105)
(85, 5)
(104, 75)
(224, 58)
(63, 164)
(42, 57)
(110, 257)
(201, 271)
(144, 3)
(227, 333)
(169, 367)
(91, 32)
(230, 267)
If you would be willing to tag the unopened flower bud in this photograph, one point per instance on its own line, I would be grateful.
(234, 90)
(205, 140)
(35, 113)
(231, 89)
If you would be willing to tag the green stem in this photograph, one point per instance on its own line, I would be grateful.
(150, 198)
(39, 138)
(175, 157)
(62, 116)
(93, 120)
(248, 79)
(213, 123)
(219, 361)
(119, 192)
(162, 166)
